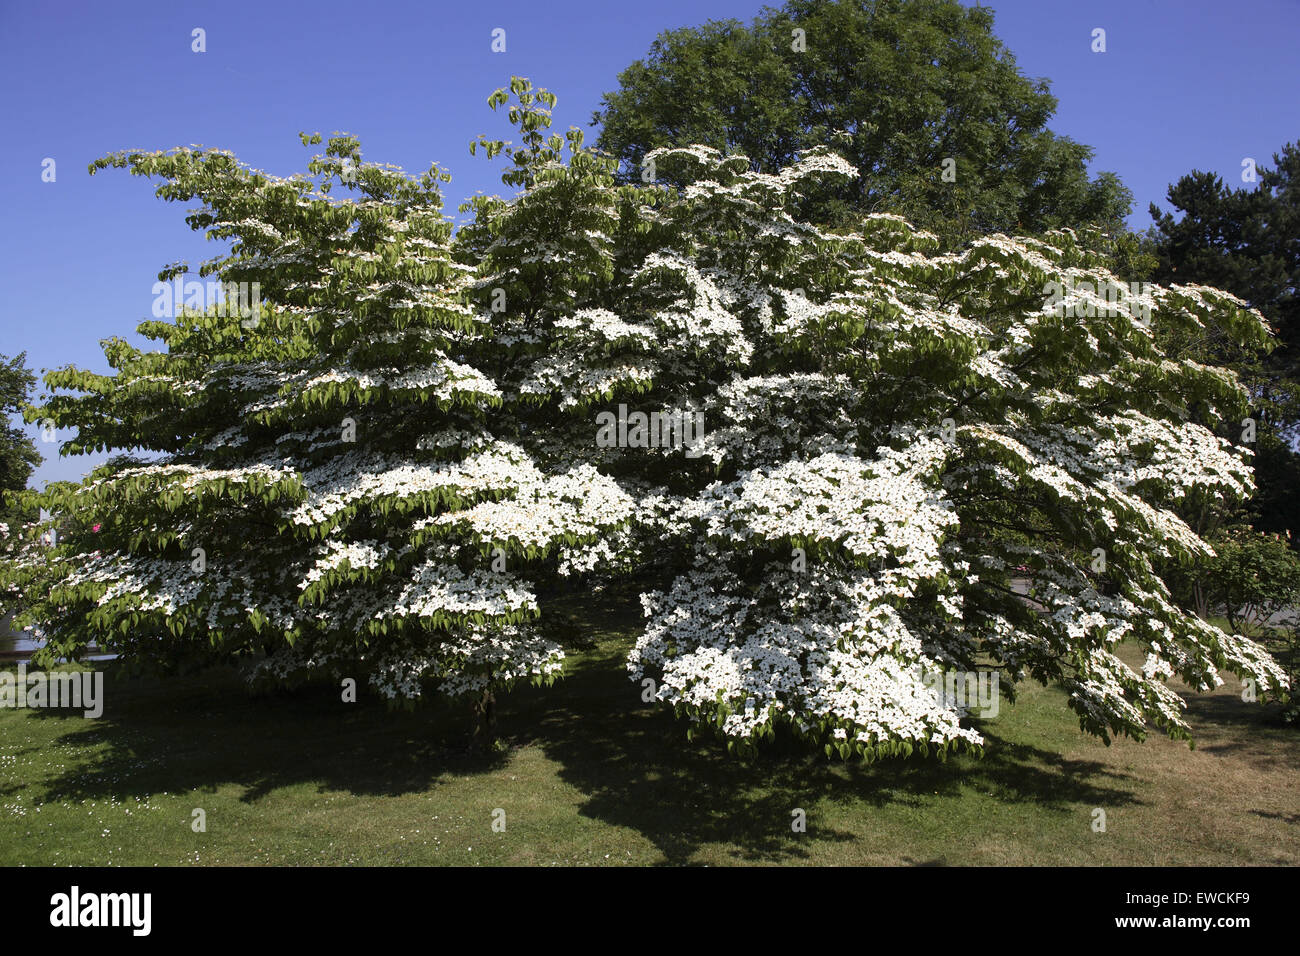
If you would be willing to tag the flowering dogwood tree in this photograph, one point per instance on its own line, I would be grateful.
(328, 488)
(895, 432)
(912, 462)
(885, 462)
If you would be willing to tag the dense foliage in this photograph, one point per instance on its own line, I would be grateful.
(18, 454)
(1246, 240)
(329, 483)
(921, 97)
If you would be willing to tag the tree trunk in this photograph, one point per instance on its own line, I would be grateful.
(485, 734)
(1201, 600)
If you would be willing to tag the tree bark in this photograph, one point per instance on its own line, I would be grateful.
(1201, 599)
(485, 734)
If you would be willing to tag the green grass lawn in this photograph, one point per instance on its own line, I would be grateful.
(593, 776)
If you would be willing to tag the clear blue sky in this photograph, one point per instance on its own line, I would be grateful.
(1184, 84)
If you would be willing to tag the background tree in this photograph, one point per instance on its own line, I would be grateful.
(18, 454)
(899, 86)
(1247, 240)
(18, 458)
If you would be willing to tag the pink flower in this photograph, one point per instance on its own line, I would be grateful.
(95, 528)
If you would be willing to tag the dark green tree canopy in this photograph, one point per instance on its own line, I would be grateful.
(1247, 240)
(18, 455)
(899, 86)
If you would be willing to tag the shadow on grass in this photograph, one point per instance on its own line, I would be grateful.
(203, 732)
(638, 771)
(1249, 730)
(630, 760)
(1288, 818)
